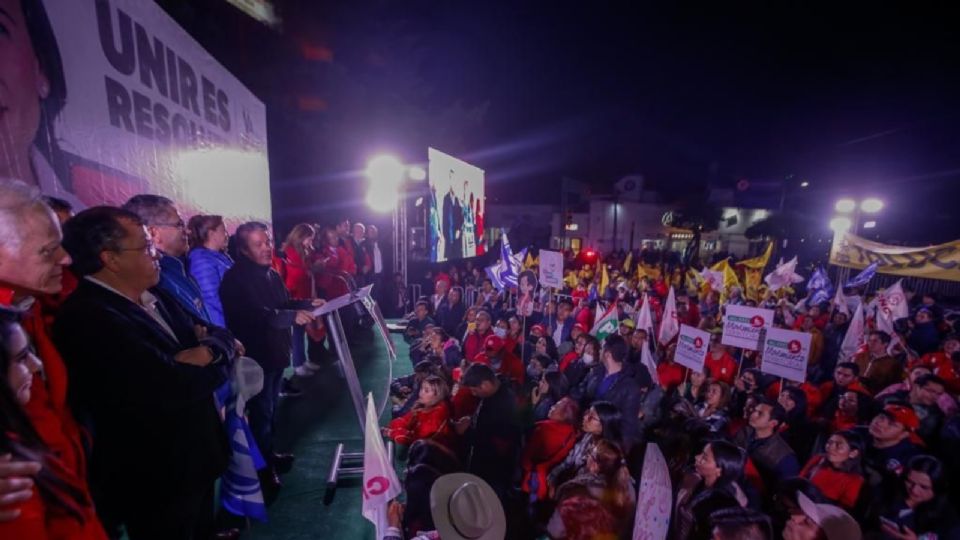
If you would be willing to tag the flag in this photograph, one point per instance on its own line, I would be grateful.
(380, 482)
(669, 325)
(819, 287)
(606, 324)
(647, 270)
(783, 275)
(727, 276)
(712, 278)
(627, 262)
(758, 263)
(604, 281)
(240, 491)
(752, 280)
(645, 322)
(505, 272)
(863, 277)
(854, 338)
(644, 318)
(528, 262)
(840, 303)
(891, 305)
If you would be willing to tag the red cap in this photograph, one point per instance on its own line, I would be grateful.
(481, 358)
(580, 327)
(539, 328)
(493, 343)
(903, 415)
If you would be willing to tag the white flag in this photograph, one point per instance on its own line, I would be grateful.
(380, 483)
(644, 318)
(783, 275)
(891, 306)
(840, 302)
(669, 325)
(854, 338)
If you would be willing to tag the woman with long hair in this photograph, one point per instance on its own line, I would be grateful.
(712, 486)
(550, 389)
(920, 508)
(713, 410)
(60, 505)
(601, 421)
(606, 479)
(208, 261)
(838, 471)
(429, 418)
(297, 252)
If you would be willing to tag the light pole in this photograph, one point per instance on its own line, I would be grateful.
(387, 176)
(849, 213)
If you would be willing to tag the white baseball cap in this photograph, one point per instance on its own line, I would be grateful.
(835, 522)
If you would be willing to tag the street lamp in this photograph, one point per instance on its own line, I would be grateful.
(844, 223)
(845, 206)
(840, 224)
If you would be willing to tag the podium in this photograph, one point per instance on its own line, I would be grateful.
(346, 463)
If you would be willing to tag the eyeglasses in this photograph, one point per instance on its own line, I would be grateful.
(149, 248)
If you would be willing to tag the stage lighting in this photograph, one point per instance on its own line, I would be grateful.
(845, 206)
(871, 205)
(840, 224)
(417, 173)
(385, 172)
(384, 199)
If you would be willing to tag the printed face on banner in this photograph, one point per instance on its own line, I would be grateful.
(785, 354)
(743, 325)
(692, 347)
(105, 100)
(551, 269)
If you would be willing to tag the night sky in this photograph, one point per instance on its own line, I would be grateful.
(863, 101)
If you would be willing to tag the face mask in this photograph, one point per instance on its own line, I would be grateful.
(500, 332)
(588, 359)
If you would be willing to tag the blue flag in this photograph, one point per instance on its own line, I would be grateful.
(240, 486)
(864, 276)
(506, 271)
(820, 287)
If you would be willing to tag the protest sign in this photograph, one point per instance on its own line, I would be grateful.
(785, 354)
(742, 326)
(692, 347)
(551, 269)
(654, 498)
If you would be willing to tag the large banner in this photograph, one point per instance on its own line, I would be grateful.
(935, 262)
(551, 269)
(104, 99)
(456, 208)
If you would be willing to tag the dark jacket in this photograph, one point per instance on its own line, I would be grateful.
(773, 457)
(624, 393)
(259, 312)
(175, 280)
(450, 317)
(494, 437)
(156, 430)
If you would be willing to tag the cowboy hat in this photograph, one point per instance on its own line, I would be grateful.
(464, 507)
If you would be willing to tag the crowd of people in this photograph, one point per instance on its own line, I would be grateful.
(557, 422)
(121, 330)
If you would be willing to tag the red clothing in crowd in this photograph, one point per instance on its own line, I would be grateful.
(567, 359)
(819, 322)
(464, 403)
(31, 521)
(826, 389)
(473, 344)
(333, 260)
(942, 366)
(814, 399)
(422, 423)
(297, 277)
(671, 375)
(585, 317)
(838, 486)
(549, 444)
(511, 366)
(722, 369)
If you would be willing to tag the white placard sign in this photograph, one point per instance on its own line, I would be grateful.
(742, 326)
(692, 347)
(551, 269)
(785, 354)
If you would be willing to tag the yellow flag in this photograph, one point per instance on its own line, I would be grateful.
(627, 261)
(604, 280)
(758, 262)
(528, 262)
(729, 278)
(571, 280)
(651, 272)
(753, 279)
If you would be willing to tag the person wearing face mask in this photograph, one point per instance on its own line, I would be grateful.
(610, 382)
(578, 370)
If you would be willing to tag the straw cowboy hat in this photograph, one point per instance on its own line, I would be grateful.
(464, 507)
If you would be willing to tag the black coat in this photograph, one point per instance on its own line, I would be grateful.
(624, 393)
(155, 426)
(258, 310)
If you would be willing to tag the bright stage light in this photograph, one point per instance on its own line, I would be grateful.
(840, 224)
(385, 172)
(383, 199)
(804, 183)
(870, 225)
(871, 205)
(417, 173)
(845, 205)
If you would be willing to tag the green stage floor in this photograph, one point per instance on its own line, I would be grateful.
(311, 426)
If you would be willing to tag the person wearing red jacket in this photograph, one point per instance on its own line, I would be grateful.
(428, 419)
(330, 260)
(473, 343)
(503, 361)
(670, 374)
(551, 441)
(837, 471)
(722, 366)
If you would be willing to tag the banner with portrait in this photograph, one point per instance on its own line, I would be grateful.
(935, 262)
(110, 98)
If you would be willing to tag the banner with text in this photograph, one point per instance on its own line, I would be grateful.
(785, 354)
(551, 269)
(121, 101)
(742, 326)
(692, 347)
(934, 262)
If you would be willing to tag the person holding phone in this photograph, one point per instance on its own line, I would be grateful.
(920, 508)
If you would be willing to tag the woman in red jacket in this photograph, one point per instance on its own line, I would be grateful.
(60, 506)
(428, 419)
(298, 277)
(329, 260)
(837, 472)
(549, 444)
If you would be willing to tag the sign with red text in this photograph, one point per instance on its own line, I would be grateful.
(654, 498)
(742, 326)
(120, 101)
(692, 347)
(785, 354)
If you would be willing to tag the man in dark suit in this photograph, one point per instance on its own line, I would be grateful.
(143, 373)
(260, 312)
(451, 211)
